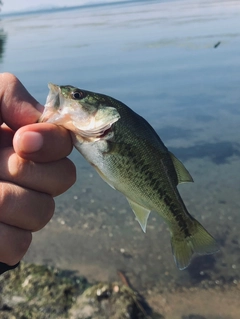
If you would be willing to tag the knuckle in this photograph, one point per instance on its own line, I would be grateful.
(15, 166)
(23, 245)
(8, 77)
(65, 136)
(67, 176)
(19, 248)
(45, 214)
(48, 211)
(72, 173)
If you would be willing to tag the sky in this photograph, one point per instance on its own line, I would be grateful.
(21, 5)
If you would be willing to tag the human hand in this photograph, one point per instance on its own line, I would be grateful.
(33, 168)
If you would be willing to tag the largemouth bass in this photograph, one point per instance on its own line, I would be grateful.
(130, 156)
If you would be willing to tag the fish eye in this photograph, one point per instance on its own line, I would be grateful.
(77, 95)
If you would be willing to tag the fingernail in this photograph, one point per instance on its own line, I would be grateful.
(30, 142)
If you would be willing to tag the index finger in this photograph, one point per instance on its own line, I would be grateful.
(18, 107)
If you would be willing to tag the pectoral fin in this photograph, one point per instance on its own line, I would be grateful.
(141, 214)
(182, 173)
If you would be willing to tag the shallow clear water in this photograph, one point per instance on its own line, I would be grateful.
(159, 59)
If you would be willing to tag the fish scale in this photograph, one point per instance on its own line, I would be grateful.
(130, 156)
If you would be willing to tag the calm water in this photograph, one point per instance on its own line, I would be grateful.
(158, 58)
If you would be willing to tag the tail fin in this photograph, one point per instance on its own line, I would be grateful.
(200, 242)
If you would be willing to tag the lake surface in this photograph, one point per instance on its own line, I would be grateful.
(160, 59)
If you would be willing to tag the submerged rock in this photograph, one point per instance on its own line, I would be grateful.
(106, 301)
(33, 291)
(41, 292)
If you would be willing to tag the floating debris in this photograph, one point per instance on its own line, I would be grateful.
(137, 300)
(217, 44)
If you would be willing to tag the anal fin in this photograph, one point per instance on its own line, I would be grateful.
(141, 213)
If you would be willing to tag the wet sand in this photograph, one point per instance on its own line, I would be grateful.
(196, 303)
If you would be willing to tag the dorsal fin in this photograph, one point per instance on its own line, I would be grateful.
(183, 174)
(141, 213)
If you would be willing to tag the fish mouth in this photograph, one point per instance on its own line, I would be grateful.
(53, 88)
(52, 104)
(91, 126)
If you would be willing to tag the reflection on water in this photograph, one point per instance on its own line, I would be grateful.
(218, 152)
(158, 58)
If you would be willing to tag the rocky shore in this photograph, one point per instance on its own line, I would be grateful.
(41, 292)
